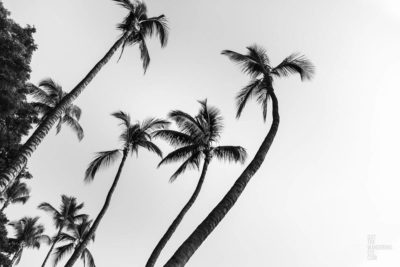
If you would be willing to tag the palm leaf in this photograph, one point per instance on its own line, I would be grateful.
(293, 64)
(230, 153)
(150, 146)
(102, 159)
(247, 64)
(74, 124)
(157, 25)
(61, 251)
(175, 138)
(245, 94)
(178, 154)
(192, 162)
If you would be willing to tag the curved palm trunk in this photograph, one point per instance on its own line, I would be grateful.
(163, 241)
(82, 245)
(193, 242)
(52, 246)
(41, 131)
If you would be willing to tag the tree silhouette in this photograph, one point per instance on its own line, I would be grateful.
(195, 141)
(133, 136)
(135, 28)
(256, 64)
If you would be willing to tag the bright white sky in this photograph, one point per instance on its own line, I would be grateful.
(330, 179)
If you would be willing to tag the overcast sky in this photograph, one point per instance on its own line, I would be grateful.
(330, 179)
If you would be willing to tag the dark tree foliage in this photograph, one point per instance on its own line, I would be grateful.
(16, 114)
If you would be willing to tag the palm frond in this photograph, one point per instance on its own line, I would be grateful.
(150, 146)
(41, 108)
(293, 64)
(47, 207)
(247, 64)
(74, 124)
(193, 162)
(245, 94)
(54, 90)
(61, 251)
(179, 154)
(152, 124)
(231, 153)
(40, 95)
(175, 138)
(144, 54)
(126, 4)
(156, 25)
(88, 258)
(124, 117)
(259, 54)
(186, 123)
(65, 237)
(213, 120)
(102, 159)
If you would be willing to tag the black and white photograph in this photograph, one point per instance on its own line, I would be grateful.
(225, 133)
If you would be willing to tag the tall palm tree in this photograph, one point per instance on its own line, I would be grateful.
(16, 193)
(133, 136)
(75, 236)
(66, 216)
(195, 141)
(256, 64)
(28, 234)
(48, 97)
(135, 28)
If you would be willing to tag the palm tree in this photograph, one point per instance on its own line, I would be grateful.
(77, 234)
(135, 27)
(195, 141)
(133, 136)
(255, 63)
(28, 234)
(66, 216)
(48, 98)
(16, 193)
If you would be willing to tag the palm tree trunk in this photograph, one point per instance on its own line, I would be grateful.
(52, 246)
(193, 242)
(163, 241)
(16, 255)
(82, 245)
(41, 131)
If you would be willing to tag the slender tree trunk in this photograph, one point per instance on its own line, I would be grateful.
(193, 242)
(52, 246)
(82, 245)
(16, 255)
(41, 131)
(163, 241)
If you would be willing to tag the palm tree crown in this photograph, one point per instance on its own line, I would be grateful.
(48, 95)
(71, 239)
(196, 139)
(67, 214)
(136, 26)
(28, 234)
(16, 193)
(256, 64)
(133, 137)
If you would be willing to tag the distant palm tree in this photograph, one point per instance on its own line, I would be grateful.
(135, 27)
(77, 234)
(133, 136)
(255, 63)
(28, 234)
(67, 216)
(48, 97)
(16, 193)
(195, 141)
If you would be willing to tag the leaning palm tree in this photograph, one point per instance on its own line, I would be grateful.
(71, 239)
(195, 141)
(16, 193)
(255, 63)
(28, 234)
(66, 216)
(135, 28)
(48, 95)
(133, 137)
